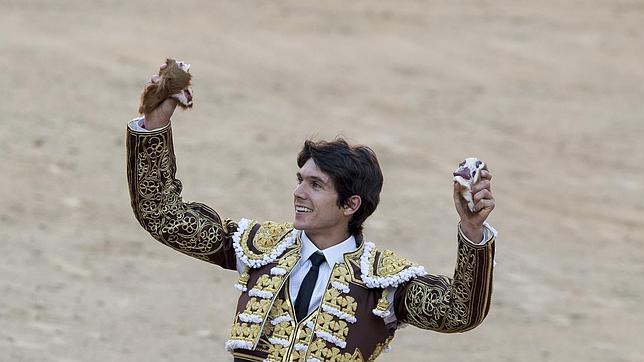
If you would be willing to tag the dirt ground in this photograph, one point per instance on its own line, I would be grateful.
(549, 93)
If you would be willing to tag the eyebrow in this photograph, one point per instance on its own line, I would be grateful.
(314, 178)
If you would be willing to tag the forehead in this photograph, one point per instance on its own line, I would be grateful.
(311, 170)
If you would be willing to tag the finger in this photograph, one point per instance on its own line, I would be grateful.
(486, 175)
(482, 195)
(481, 185)
(163, 66)
(155, 79)
(484, 205)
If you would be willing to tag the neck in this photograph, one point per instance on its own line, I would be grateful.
(323, 241)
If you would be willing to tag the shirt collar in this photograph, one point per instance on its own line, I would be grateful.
(333, 255)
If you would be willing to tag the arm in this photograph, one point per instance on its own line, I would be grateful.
(450, 305)
(191, 228)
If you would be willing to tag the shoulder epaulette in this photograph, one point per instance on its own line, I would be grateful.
(383, 269)
(258, 244)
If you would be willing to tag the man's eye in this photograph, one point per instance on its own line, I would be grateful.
(316, 185)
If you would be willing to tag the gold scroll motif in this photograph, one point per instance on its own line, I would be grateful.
(192, 228)
(438, 303)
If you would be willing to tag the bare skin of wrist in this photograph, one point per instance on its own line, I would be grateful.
(152, 123)
(472, 232)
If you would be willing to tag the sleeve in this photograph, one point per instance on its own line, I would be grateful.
(189, 227)
(455, 304)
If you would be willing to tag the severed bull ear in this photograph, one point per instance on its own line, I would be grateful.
(174, 82)
(467, 174)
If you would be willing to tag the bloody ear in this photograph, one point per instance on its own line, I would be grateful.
(173, 80)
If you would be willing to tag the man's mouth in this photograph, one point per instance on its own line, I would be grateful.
(302, 209)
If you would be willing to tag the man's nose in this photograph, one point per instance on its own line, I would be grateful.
(299, 191)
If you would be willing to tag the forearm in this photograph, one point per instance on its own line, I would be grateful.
(451, 305)
(191, 228)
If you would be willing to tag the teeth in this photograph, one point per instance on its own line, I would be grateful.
(302, 209)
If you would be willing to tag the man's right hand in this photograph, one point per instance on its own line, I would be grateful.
(160, 116)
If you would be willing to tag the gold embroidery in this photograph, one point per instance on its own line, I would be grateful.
(257, 306)
(269, 234)
(322, 352)
(383, 303)
(341, 275)
(192, 228)
(336, 328)
(442, 304)
(345, 304)
(269, 284)
(380, 347)
(246, 332)
(388, 263)
(244, 277)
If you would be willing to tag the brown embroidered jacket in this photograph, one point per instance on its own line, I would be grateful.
(348, 325)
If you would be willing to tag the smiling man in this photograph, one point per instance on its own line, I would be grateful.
(314, 290)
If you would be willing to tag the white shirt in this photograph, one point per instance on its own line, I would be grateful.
(332, 256)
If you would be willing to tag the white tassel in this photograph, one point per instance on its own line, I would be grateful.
(260, 293)
(342, 315)
(279, 341)
(232, 344)
(250, 318)
(331, 339)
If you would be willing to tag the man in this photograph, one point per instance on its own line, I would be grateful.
(314, 290)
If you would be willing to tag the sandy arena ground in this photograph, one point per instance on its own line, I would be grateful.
(549, 93)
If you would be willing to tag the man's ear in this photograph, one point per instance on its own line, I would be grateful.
(352, 205)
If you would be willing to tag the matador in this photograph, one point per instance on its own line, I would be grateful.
(313, 289)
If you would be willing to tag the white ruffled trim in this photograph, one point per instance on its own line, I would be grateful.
(250, 318)
(385, 282)
(338, 313)
(280, 319)
(267, 259)
(280, 341)
(341, 287)
(260, 293)
(309, 324)
(240, 287)
(331, 338)
(300, 347)
(381, 314)
(278, 271)
(313, 359)
(232, 344)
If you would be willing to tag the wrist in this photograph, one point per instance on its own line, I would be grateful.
(151, 123)
(474, 232)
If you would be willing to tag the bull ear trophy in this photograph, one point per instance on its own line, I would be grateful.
(174, 82)
(467, 174)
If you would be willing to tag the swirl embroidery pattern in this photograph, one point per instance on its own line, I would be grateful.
(438, 303)
(192, 228)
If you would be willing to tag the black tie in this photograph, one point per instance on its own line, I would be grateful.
(308, 284)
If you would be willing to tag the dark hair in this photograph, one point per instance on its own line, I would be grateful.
(354, 170)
